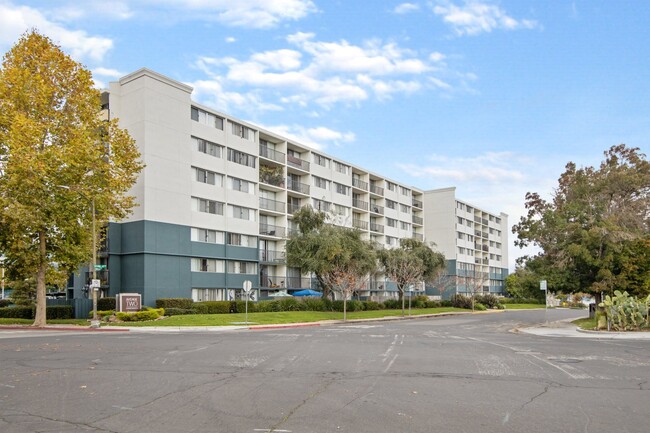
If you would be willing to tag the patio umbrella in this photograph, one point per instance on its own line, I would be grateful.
(307, 292)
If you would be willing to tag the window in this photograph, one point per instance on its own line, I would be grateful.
(321, 160)
(470, 209)
(242, 213)
(391, 222)
(404, 191)
(460, 205)
(461, 235)
(242, 131)
(498, 220)
(206, 118)
(206, 265)
(391, 204)
(206, 235)
(241, 240)
(498, 245)
(341, 168)
(241, 158)
(321, 183)
(321, 205)
(342, 189)
(391, 241)
(200, 295)
(341, 210)
(405, 225)
(238, 267)
(461, 220)
(404, 208)
(206, 176)
(391, 186)
(207, 206)
(242, 185)
(461, 250)
(207, 147)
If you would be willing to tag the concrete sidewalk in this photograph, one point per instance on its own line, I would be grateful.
(564, 328)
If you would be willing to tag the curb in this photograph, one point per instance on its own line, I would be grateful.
(60, 328)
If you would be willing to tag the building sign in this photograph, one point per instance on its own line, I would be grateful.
(129, 302)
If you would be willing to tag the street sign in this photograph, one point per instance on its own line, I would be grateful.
(100, 267)
(542, 285)
(248, 285)
(95, 284)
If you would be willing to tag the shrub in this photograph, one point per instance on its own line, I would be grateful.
(212, 307)
(178, 311)
(461, 301)
(392, 304)
(184, 303)
(446, 303)
(479, 307)
(432, 304)
(521, 301)
(625, 312)
(291, 304)
(141, 316)
(4, 303)
(489, 300)
(240, 306)
(371, 305)
(106, 304)
(17, 312)
(102, 314)
(314, 304)
(351, 306)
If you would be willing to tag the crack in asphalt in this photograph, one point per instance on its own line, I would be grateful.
(62, 421)
(535, 397)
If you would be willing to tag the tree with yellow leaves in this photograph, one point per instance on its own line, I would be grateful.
(59, 161)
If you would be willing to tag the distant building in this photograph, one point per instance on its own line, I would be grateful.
(216, 198)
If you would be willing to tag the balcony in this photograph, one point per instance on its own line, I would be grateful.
(293, 185)
(272, 205)
(359, 224)
(271, 256)
(360, 204)
(374, 227)
(376, 209)
(298, 163)
(417, 220)
(417, 203)
(271, 282)
(292, 208)
(376, 189)
(271, 154)
(298, 283)
(272, 176)
(358, 183)
(271, 230)
(418, 236)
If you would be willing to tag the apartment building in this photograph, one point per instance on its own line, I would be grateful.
(216, 198)
(474, 242)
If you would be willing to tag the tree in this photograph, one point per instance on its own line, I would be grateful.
(413, 262)
(594, 214)
(58, 161)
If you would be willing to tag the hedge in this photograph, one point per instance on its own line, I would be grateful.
(184, 303)
(178, 311)
(52, 312)
(105, 304)
(141, 316)
(213, 307)
(4, 303)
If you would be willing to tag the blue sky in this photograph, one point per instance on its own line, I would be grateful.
(493, 97)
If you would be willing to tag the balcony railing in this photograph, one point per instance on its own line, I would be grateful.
(291, 231)
(358, 183)
(376, 189)
(376, 227)
(293, 185)
(359, 224)
(417, 220)
(272, 230)
(271, 282)
(273, 205)
(298, 283)
(376, 208)
(360, 204)
(297, 163)
(267, 153)
(417, 203)
(292, 208)
(271, 256)
(272, 179)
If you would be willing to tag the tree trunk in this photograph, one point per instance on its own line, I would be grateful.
(40, 317)
(401, 297)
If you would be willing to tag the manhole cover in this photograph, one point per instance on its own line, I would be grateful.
(565, 360)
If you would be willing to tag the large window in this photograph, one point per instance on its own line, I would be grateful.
(391, 222)
(239, 267)
(207, 147)
(405, 208)
(341, 168)
(242, 131)
(207, 176)
(404, 191)
(321, 205)
(206, 235)
(321, 160)
(241, 240)
(207, 206)
(241, 185)
(206, 265)
(206, 118)
(242, 213)
(241, 158)
(342, 189)
(321, 183)
(200, 295)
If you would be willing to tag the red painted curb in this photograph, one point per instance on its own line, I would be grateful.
(54, 328)
(301, 325)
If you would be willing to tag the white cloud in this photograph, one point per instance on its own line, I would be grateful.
(107, 72)
(317, 138)
(476, 17)
(328, 73)
(230, 39)
(211, 92)
(15, 20)
(405, 8)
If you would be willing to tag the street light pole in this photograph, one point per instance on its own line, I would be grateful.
(94, 289)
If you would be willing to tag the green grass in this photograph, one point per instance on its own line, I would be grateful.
(586, 323)
(279, 318)
(523, 306)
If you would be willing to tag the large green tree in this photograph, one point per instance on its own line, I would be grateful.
(412, 262)
(59, 161)
(594, 217)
